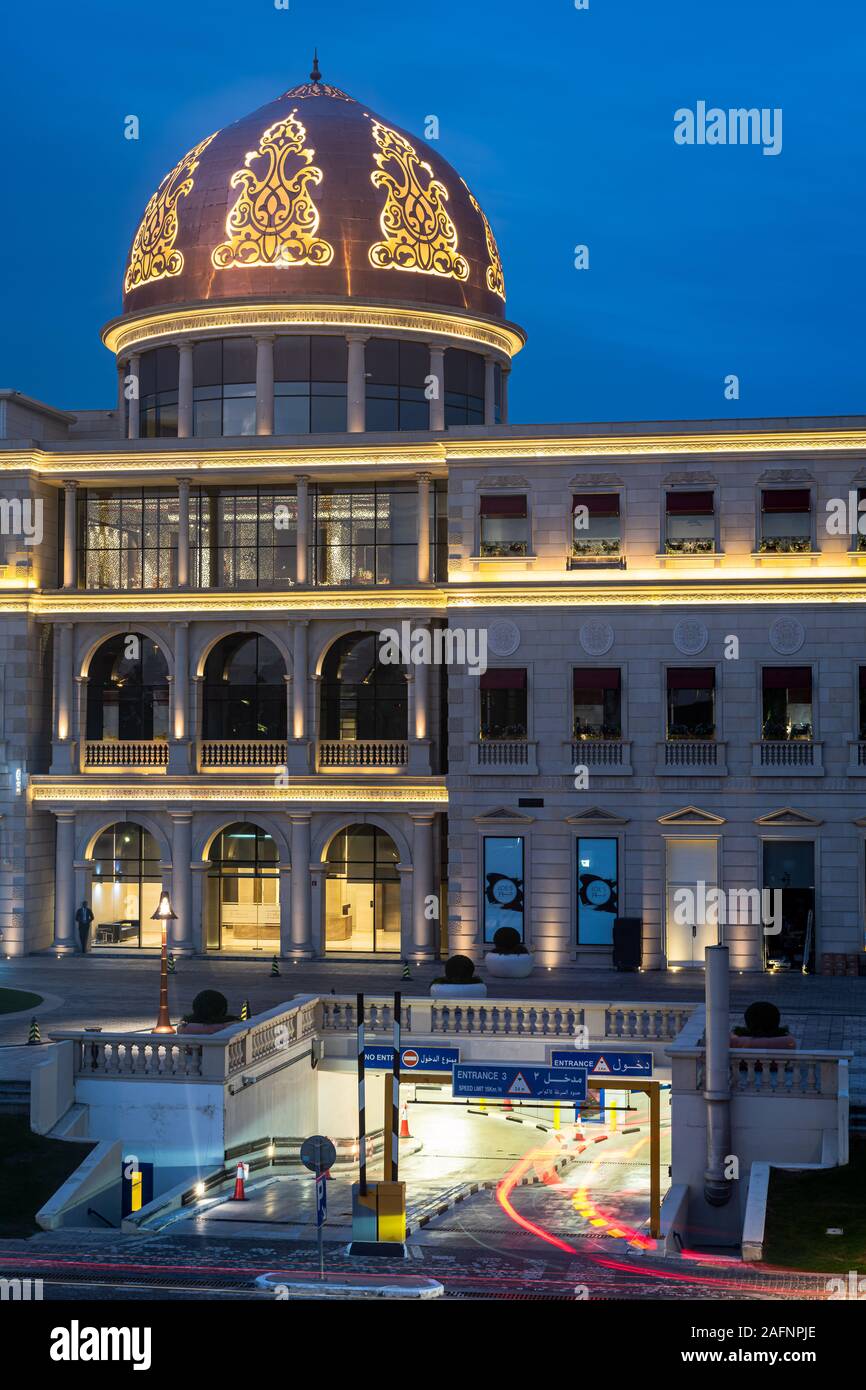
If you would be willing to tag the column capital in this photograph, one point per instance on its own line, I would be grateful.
(70, 484)
(358, 337)
(302, 477)
(423, 477)
(265, 336)
(181, 816)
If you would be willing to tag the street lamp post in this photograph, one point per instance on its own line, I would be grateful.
(164, 915)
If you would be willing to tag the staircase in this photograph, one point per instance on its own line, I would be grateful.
(15, 1098)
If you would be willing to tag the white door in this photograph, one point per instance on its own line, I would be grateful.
(691, 880)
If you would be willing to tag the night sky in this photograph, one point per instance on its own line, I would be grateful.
(704, 261)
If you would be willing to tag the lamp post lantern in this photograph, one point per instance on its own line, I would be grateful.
(164, 914)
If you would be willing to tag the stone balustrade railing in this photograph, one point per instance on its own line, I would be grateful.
(363, 752)
(509, 1018)
(242, 753)
(769, 1073)
(126, 753)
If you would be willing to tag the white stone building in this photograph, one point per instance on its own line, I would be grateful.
(310, 445)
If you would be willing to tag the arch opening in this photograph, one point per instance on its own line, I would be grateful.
(362, 892)
(242, 912)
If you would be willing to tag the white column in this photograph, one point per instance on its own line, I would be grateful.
(65, 936)
(134, 402)
(64, 744)
(179, 745)
(70, 555)
(81, 683)
(356, 385)
(264, 384)
(285, 900)
(489, 391)
(184, 391)
(437, 404)
(301, 933)
(422, 684)
(183, 569)
(181, 931)
(503, 404)
(423, 926)
(121, 398)
(419, 741)
(303, 539)
(423, 528)
(297, 749)
(718, 1188)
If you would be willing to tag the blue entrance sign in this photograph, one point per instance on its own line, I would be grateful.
(412, 1058)
(612, 1064)
(529, 1082)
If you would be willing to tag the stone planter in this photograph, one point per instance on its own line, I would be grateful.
(786, 1043)
(478, 991)
(509, 967)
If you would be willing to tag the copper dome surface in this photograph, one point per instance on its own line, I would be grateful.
(314, 197)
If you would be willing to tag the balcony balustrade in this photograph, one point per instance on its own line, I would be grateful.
(689, 757)
(606, 756)
(242, 753)
(778, 757)
(126, 754)
(370, 753)
(504, 755)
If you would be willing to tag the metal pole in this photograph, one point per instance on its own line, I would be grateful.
(395, 1092)
(655, 1161)
(163, 1022)
(717, 1083)
(362, 1116)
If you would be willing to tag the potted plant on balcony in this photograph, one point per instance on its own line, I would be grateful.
(209, 1013)
(763, 1029)
(509, 959)
(459, 981)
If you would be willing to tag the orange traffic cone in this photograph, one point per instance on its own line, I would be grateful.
(404, 1121)
(239, 1194)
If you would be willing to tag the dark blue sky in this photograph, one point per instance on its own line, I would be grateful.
(704, 261)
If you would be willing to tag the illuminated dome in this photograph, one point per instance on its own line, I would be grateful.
(314, 199)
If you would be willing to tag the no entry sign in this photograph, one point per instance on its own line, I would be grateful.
(422, 1059)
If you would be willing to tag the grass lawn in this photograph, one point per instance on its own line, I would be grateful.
(11, 1000)
(31, 1170)
(802, 1206)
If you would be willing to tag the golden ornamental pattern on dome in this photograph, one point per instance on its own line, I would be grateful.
(154, 254)
(419, 236)
(318, 89)
(495, 277)
(274, 221)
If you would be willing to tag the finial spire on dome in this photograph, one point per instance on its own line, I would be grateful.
(315, 75)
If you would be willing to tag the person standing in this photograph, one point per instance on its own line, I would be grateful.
(83, 918)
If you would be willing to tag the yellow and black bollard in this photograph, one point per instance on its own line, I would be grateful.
(33, 1036)
(245, 1010)
(275, 966)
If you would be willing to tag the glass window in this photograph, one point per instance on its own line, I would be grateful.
(364, 536)
(504, 703)
(596, 525)
(787, 702)
(362, 892)
(128, 539)
(243, 907)
(244, 689)
(396, 385)
(786, 520)
(464, 387)
(224, 387)
(503, 884)
(691, 880)
(597, 703)
(691, 702)
(362, 697)
(244, 538)
(127, 691)
(157, 392)
(504, 525)
(310, 385)
(125, 888)
(597, 891)
(690, 524)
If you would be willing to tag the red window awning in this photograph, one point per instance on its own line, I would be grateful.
(691, 678)
(600, 678)
(504, 678)
(689, 503)
(597, 503)
(787, 678)
(786, 499)
(508, 505)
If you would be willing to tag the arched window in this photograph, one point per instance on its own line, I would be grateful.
(362, 891)
(127, 692)
(125, 887)
(244, 689)
(362, 697)
(243, 904)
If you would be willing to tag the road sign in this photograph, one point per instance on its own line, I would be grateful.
(525, 1082)
(412, 1058)
(606, 1063)
(318, 1154)
(321, 1199)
